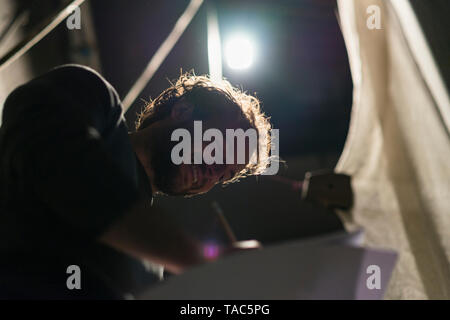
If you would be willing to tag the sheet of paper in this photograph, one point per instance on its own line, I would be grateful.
(331, 267)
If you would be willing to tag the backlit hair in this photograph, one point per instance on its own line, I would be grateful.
(204, 93)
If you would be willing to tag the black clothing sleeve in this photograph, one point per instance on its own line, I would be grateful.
(54, 143)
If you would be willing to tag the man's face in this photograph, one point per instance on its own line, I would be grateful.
(190, 179)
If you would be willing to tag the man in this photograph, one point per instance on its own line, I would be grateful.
(76, 188)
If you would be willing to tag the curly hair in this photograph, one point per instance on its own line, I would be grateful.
(209, 97)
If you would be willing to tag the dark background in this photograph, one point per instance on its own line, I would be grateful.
(301, 75)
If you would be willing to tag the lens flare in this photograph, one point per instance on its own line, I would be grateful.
(211, 251)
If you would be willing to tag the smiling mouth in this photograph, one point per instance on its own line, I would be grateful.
(194, 174)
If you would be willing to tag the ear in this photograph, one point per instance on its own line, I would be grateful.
(181, 111)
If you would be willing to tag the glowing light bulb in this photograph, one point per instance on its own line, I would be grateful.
(239, 51)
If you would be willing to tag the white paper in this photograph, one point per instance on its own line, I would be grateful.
(330, 267)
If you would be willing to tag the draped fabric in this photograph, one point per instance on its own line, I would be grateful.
(398, 146)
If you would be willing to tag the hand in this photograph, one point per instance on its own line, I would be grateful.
(148, 234)
(213, 252)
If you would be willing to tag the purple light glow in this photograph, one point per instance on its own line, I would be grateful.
(211, 251)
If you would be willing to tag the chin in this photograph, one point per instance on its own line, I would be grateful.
(189, 192)
(201, 190)
(174, 190)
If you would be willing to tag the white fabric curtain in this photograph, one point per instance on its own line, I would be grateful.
(398, 147)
